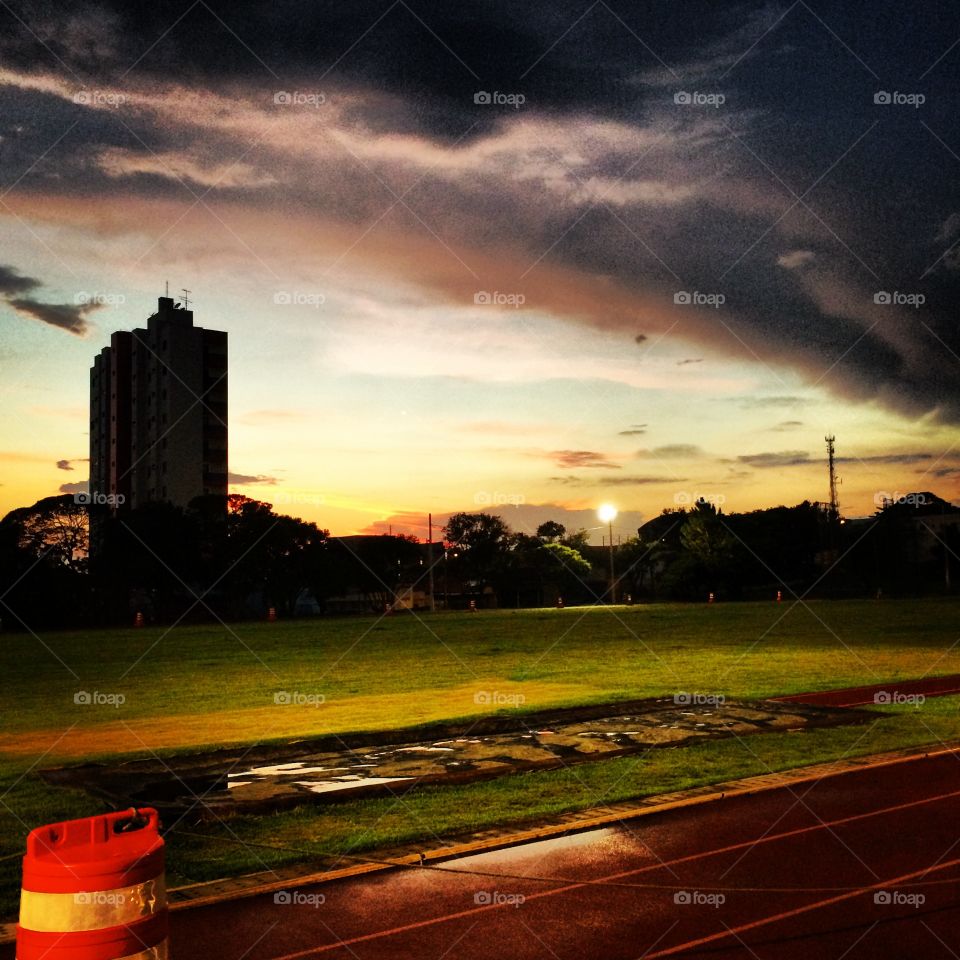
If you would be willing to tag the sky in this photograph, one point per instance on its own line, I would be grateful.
(527, 258)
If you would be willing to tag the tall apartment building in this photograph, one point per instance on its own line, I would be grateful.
(158, 412)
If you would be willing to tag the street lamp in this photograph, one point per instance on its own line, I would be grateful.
(607, 514)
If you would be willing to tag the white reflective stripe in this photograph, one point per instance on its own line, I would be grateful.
(91, 909)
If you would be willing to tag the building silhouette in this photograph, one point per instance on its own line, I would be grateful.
(158, 412)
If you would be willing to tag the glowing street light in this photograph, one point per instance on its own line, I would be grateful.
(607, 514)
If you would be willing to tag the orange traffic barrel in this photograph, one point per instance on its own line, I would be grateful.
(94, 889)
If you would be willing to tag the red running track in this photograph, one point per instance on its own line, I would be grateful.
(864, 865)
(878, 693)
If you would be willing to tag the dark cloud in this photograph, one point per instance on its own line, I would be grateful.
(784, 425)
(12, 283)
(80, 486)
(888, 458)
(569, 459)
(640, 338)
(635, 430)
(687, 181)
(68, 464)
(683, 363)
(800, 458)
(246, 479)
(64, 316)
(762, 403)
(671, 450)
(785, 458)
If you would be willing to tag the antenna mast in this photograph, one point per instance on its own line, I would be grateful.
(834, 505)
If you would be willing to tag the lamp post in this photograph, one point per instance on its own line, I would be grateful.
(607, 514)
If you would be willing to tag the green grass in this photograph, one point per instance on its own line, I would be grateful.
(206, 686)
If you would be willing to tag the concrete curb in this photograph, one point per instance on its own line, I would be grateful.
(217, 891)
(255, 884)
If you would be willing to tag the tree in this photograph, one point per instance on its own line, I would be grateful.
(566, 565)
(551, 531)
(482, 541)
(56, 528)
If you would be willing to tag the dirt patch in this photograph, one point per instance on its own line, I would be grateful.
(270, 777)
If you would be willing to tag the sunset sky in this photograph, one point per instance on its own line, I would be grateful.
(324, 180)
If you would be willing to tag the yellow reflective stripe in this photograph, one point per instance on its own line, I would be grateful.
(92, 909)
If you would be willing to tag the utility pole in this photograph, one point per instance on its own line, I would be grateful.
(433, 605)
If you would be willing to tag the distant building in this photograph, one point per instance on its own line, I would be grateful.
(158, 412)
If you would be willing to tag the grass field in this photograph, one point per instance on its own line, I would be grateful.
(196, 687)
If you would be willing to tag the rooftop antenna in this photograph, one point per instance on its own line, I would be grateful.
(186, 298)
(167, 286)
(834, 505)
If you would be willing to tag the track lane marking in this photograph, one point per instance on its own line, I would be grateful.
(580, 884)
(785, 914)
